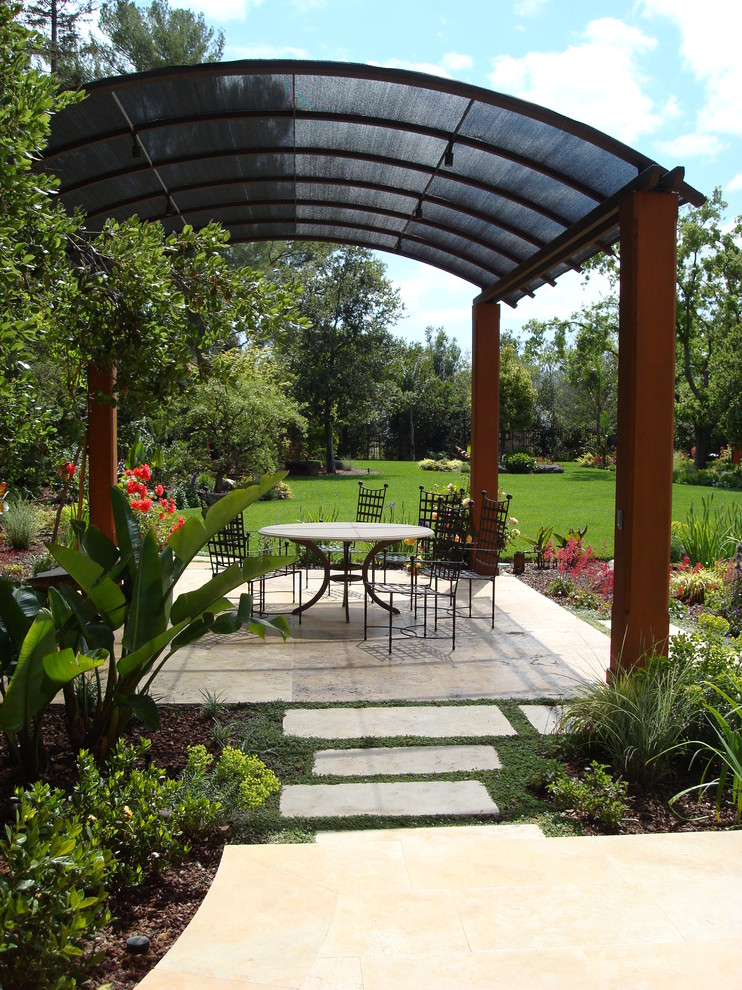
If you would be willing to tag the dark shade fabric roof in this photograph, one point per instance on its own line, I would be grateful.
(503, 193)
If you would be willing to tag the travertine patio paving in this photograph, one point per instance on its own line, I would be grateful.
(536, 650)
(475, 907)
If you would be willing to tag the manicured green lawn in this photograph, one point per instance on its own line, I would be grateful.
(579, 497)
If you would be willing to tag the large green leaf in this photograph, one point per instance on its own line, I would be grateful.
(192, 603)
(145, 709)
(99, 548)
(12, 616)
(107, 597)
(132, 661)
(62, 667)
(146, 617)
(30, 690)
(127, 530)
(188, 540)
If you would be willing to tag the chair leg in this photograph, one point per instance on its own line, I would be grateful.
(453, 622)
(492, 626)
(391, 612)
(470, 584)
(365, 614)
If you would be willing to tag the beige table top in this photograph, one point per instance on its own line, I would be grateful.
(347, 532)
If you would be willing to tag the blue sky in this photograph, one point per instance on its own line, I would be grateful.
(664, 76)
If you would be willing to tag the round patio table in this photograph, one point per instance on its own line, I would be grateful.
(313, 535)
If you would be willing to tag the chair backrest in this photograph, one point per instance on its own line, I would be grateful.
(447, 561)
(230, 544)
(444, 514)
(493, 521)
(371, 502)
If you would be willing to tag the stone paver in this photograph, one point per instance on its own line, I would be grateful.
(404, 760)
(438, 909)
(430, 722)
(544, 718)
(465, 797)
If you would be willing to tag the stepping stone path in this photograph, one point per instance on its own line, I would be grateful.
(397, 798)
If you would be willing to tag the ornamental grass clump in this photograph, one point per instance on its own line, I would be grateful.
(637, 719)
(19, 523)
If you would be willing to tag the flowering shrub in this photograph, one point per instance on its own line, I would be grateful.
(578, 564)
(152, 510)
(690, 584)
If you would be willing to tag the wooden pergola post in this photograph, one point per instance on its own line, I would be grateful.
(485, 402)
(102, 444)
(646, 404)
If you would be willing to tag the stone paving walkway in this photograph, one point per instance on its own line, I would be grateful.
(483, 908)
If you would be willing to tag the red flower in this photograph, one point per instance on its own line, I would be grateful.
(146, 504)
(67, 470)
(131, 486)
(159, 490)
(143, 472)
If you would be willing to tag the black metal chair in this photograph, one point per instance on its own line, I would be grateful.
(369, 508)
(231, 545)
(427, 512)
(485, 551)
(439, 581)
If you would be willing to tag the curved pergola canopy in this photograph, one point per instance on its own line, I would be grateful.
(503, 193)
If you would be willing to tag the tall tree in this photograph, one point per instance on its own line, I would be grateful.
(33, 238)
(64, 45)
(708, 322)
(517, 391)
(142, 38)
(338, 360)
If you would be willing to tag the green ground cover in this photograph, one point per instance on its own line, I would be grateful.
(579, 497)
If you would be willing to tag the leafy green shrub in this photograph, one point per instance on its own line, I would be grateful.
(560, 587)
(519, 463)
(724, 751)
(597, 795)
(713, 625)
(52, 896)
(20, 523)
(239, 780)
(135, 813)
(444, 464)
(638, 718)
(677, 547)
(279, 491)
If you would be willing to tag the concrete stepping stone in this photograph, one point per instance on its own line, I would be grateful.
(428, 721)
(544, 718)
(404, 760)
(465, 797)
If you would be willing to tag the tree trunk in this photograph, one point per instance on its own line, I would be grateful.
(702, 434)
(329, 443)
(412, 436)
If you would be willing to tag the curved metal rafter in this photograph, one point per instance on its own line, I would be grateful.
(540, 181)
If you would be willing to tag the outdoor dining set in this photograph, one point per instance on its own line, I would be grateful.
(427, 561)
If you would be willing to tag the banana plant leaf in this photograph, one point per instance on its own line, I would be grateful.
(63, 666)
(30, 689)
(104, 593)
(147, 616)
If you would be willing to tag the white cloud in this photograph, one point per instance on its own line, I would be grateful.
(263, 51)
(529, 8)
(705, 146)
(710, 33)
(596, 81)
(219, 11)
(735, 184)
(457, 62)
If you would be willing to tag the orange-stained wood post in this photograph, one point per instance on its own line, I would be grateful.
(485, 402)
(646, 403)
(102, 454)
